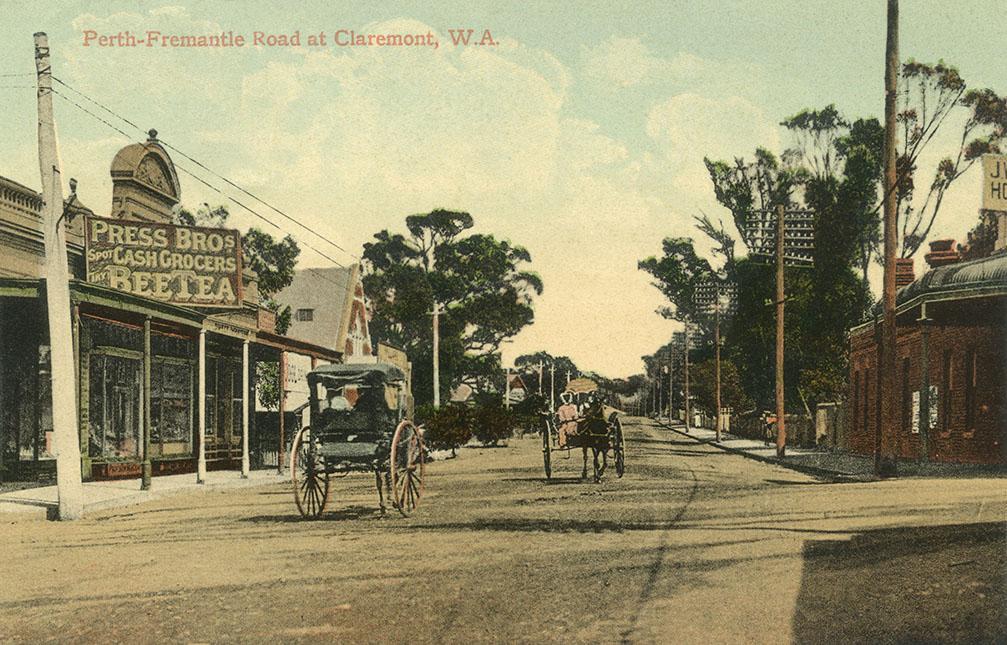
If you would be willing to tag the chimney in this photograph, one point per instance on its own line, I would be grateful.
(942, 253)
(904, 274)
(1001, 224)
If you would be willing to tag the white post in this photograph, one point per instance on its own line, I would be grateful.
(507, 391)
(244, 410)
(552, 387)
(70, 488)
(201, 406)
(437, 356)
(540, 366)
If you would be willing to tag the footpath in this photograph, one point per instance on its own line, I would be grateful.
(827, 464)
(42, 502)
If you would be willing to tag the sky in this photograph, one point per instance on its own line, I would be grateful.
(580, 134)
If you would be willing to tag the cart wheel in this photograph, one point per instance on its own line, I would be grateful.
(309, 475)
(407, 467)
(618, 446)
(547, 447)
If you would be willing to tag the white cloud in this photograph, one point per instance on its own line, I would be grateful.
(621, 62)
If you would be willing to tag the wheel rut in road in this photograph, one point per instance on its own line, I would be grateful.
(655, 569)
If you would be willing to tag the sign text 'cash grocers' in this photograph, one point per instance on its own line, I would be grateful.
(178, 264)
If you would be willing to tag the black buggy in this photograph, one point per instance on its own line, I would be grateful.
(358, 423)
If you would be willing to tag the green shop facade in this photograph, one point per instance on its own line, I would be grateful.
(150, 372)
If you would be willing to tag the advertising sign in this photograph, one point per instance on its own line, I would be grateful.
(184, 265)
(994, 182)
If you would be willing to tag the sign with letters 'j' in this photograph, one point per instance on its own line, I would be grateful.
(184, 265)
(994, 182)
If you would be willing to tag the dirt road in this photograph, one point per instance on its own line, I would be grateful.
(692, 545)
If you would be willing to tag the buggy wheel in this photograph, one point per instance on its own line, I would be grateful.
(309, 475)
(547, 447)
(407, 468)
(618, 446)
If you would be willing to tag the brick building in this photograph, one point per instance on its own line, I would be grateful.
(951, 351)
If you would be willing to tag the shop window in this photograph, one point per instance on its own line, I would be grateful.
(946, 387)
(865, 419)
(970, 391)
(171, 408)
(305, 315)
(114, 407)
(907, 398)
(856, 400)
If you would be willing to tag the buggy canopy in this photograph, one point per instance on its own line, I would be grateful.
(581, 386)
(358, 373)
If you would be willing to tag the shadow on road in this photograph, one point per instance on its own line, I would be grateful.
(336, 515)
(941, 584)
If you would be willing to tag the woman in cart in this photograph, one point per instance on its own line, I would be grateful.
(566, 416)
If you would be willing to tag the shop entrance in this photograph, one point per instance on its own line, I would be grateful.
(115, 407)
(223, 409)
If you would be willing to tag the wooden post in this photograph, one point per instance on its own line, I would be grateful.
(716, 343)
(781, 422)
(887, 363)
(281, 389)
(924, 324)
(688, 407)
(57, 282)
(552, 387)
(436, 326)
(146, 469)
(507, 390)
(201, 407)
(244, 410)
(671, 387)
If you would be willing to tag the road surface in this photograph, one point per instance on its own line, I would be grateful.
(693, 545)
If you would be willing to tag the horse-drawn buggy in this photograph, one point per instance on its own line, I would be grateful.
(584, 421)
(358, 424)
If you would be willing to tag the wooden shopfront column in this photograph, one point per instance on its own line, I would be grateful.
(145, 422)
(244, 409)
(201, 407)
(281, 386)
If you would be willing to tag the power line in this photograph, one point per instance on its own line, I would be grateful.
(212, 187)
(211, 171)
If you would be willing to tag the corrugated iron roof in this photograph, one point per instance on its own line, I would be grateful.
(989, 273)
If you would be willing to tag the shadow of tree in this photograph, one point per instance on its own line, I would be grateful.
(934, 584)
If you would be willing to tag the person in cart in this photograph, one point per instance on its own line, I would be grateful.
(567, 416)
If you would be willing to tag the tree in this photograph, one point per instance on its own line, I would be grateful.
(527, 364)
(929, 94)
(704, 384)
(479, 282)
(274, 262)
(677, 274)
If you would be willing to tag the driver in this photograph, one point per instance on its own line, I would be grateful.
(567, 414)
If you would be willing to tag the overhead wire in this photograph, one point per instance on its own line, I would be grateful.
(129, 137)
(211, 171)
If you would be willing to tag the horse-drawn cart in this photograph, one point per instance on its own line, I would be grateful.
(583, 421)
(358, 423)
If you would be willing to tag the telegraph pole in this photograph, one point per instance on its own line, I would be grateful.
(507, 391)
(716, 345)
(437, 354)
(57, 288)
(781, 428)
(552, 387)
(671, 386)
(887, 362)
(540, 366)
(688, 410)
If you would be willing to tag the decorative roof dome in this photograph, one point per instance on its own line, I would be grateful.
(144, 183)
